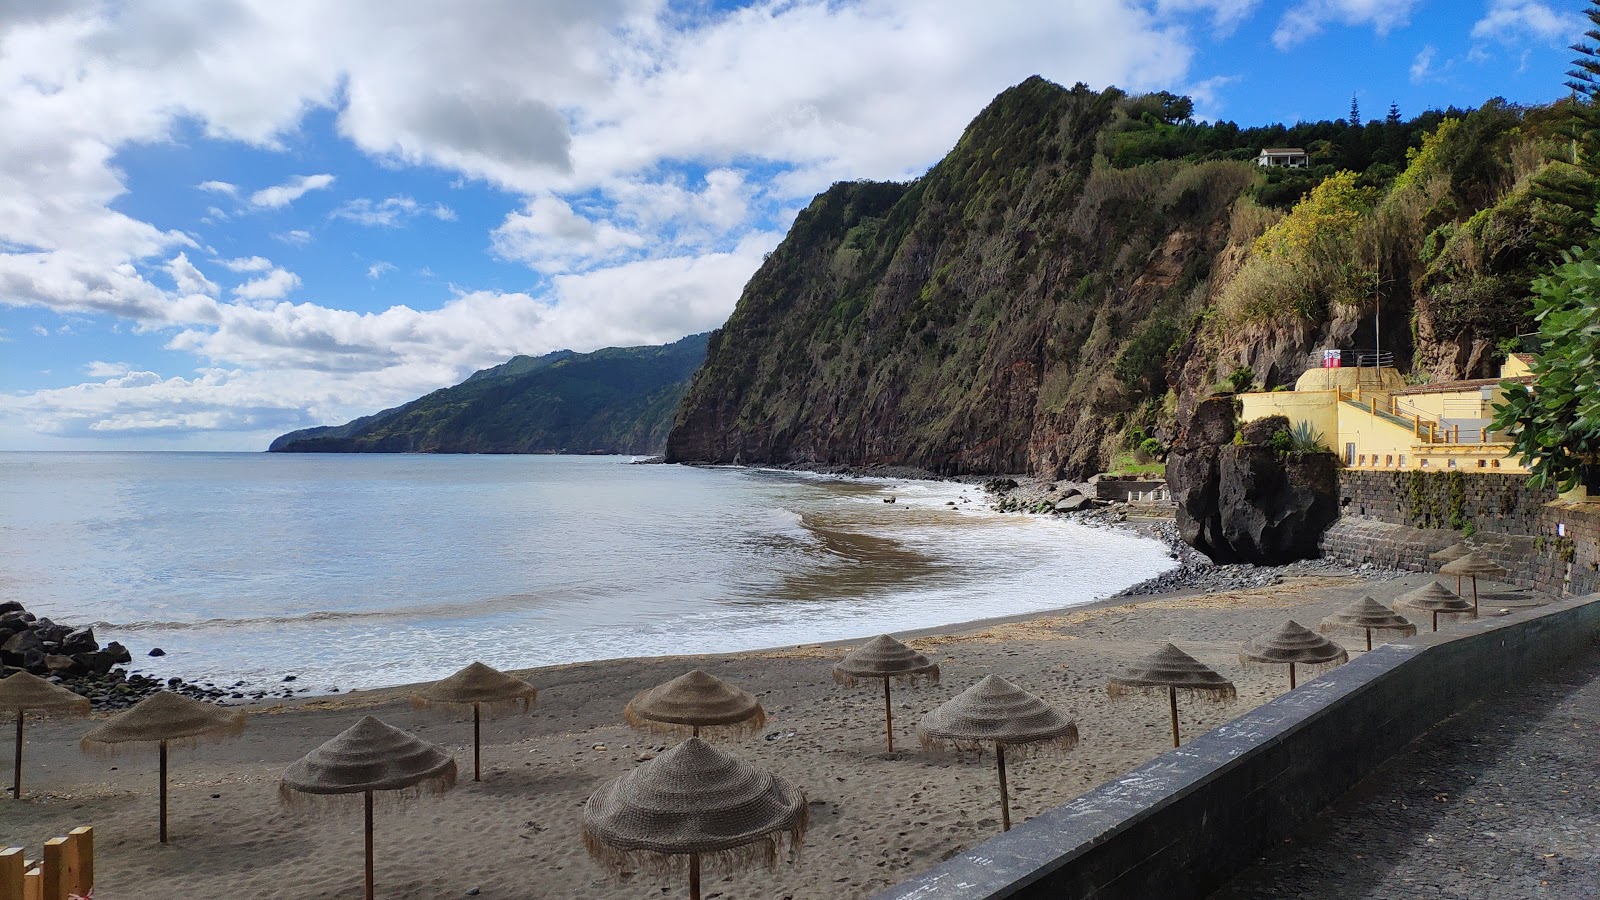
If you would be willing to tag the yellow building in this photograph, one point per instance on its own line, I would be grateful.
(1369, 416)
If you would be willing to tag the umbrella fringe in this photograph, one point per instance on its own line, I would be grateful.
(763, 852)
(924, 676)
(1312, 668)
(751, 725)
(491, 709)
(117, 748)
(1058, 744)
(322, 805)
(1406, 630)
(1117, 690)
(76, 708)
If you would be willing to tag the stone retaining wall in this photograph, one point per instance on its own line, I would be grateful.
(1398, 518)
(1181, 825)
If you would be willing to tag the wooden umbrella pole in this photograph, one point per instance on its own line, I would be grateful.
(1291, 676)
(477, 725)
(369, 846)
(1474, 596)
(694, 876)
(16, 778)
(1172, 703)
(1436, 620)
(888, 715)
(1369, 640)
(695, 732)
(163, 792)
(1005, 798)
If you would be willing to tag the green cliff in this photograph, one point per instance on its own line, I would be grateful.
(616, 400)
(1083, 267)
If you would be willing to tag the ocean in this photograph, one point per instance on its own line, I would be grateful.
(355, 571)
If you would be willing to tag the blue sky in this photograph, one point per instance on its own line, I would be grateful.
(221, 223)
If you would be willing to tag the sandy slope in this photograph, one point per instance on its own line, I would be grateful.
(875, 818)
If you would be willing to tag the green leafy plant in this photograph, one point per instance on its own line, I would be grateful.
(1305, 439)
(1282, 442)
(1242, 379)
(1554, 424)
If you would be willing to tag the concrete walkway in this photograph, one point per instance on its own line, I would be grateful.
(1502, 801)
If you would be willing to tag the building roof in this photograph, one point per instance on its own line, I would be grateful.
(1278, 150)
(1448, 387)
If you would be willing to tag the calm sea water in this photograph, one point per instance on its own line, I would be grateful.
(361, 571)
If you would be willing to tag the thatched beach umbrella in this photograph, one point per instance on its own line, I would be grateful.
(1451, 554)
(695, 700)
(1367, 615)
(1171, 670)
(22, 692)
(168, 720)
(886, 658)
(995, 711)
(482, 688)
(1434, 598)
(1471, 566)
(693, 805)
(368, 756)
(1293, 645)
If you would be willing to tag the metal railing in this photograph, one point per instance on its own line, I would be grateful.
(1424, 426)
(1351, 359)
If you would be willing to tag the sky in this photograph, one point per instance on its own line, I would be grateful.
(223, 221)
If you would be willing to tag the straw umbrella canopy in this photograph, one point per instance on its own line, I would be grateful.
(1293, 645)
(885, 658)
(695, 700)
(697, 805)
(1451, 554)
(1367, 615)
(368, 756)
(25, 691)
(168, 720)
(482, 688)
(1171, 670)
(1435, 598)
(995, 711)
(1471, 566)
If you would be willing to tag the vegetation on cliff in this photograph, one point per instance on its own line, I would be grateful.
(616, 400)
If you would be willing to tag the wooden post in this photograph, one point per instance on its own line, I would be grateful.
(1474, 596)
(11, 873)
(477, 726)
(1436, 620)
(369, 846)
(888, 715)
(163, 792)
(1172, 702)
(1291, 676)
(694, 876)
(80, 860)
(32, 880)
(1005, 798)
(1369, 639)
(16, 779)
(55, 869)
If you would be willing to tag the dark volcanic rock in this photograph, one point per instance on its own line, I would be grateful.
(1244, 502)
(1273, 509)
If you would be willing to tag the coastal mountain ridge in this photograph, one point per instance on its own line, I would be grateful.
(615, 400)
(1085, 266)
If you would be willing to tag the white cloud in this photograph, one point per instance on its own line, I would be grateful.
(1523, 22)
(390, 212)
(295, 238)
(550, 236)
(1422, 65)
(219, 187)
(282, 195)
(99, 369)
(274, 285)
(1226, 15)
(248, 264)
(189, 279)
(379, 269)
(1309, 17)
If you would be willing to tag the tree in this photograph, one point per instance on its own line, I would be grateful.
(1355, 112)
(1570, 184)
(1394, 115)
(1555, 424)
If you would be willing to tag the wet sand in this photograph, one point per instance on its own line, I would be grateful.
(876, 818)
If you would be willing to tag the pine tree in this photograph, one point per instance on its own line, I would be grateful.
(1355, 109)
(1570, 184)
(1394, 115)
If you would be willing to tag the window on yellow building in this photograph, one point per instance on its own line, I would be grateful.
(1495, 463)
(1451, 464)
(1423, 464)
(1388, 459)
(1402, 460)
(1361, 460)
(1483, 463)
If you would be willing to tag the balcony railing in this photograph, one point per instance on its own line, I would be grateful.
(1351, 359)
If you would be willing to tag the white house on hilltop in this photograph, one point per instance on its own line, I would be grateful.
(1281, 157)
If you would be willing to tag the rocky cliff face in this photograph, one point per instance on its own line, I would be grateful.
(969, 321)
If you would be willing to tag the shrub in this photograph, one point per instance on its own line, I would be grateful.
(1305, 439)
(1281, 442)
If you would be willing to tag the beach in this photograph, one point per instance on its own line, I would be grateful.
(875, 818)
